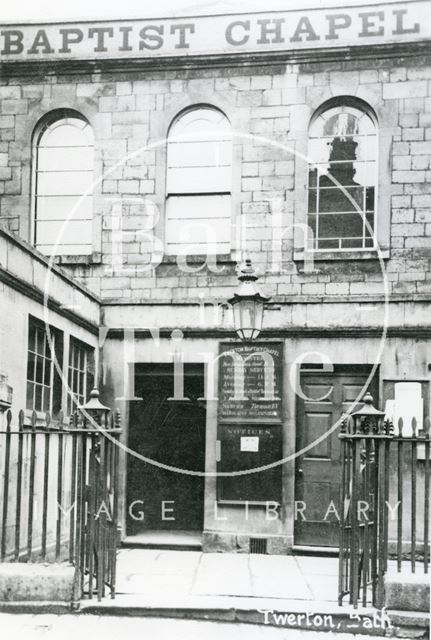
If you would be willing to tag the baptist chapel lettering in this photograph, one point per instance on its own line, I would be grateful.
(282, 30)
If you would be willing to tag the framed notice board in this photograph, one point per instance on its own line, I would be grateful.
(250, 382)
(250, 422)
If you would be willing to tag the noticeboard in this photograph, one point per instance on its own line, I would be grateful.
(249, 422)
(250, 382)
(249, 447)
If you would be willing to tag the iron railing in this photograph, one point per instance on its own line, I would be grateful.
(384, 507)
(58, 487)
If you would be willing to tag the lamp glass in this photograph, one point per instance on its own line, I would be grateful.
(248, 317)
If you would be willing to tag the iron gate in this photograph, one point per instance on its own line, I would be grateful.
(381, 477)
(59, 492)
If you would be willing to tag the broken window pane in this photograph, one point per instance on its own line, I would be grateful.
(342, 178)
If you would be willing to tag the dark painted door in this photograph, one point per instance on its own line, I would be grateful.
(318, 470)
(172, 433)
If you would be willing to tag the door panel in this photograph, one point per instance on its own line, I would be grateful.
(318, 470)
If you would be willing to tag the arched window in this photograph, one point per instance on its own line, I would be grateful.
(63, 201)
(342, 178)
(199, 183)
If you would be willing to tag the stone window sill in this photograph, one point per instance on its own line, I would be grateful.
(324, 256)
(224, 258)
(94, 258)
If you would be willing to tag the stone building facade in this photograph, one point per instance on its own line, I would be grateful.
(358, 303)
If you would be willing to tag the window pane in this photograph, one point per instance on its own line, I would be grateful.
(52, 183)
(47, 339)
(321, 150)
(67, 132)
(40, 341)
(81, 383)
(367, 148)
(339, 226)
(365, 173)
(369, 199)
(65, 158)
(63, 207)
(195, 231)
(312, 200)
(189, 207)
(46, 393)
(29, 395)
(340, 172)
(200, 224)
(39, 369)
(38, 398)
(30, 366)
(328, 244)
(369, 230)
(351, 243)
(65, 233)
(47, 375)
(199, 180)
(348, 199)
(199, 154)
(32, 338)
(201, 120)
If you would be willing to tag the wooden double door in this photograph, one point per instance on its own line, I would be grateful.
(327, 396)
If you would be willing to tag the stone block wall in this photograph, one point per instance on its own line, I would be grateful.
(269, 107)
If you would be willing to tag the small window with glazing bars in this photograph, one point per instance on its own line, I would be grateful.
(80, 378)
(44, 363)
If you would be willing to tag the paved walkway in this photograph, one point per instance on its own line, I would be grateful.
(192, 573)
(294, 594)
(291, 594)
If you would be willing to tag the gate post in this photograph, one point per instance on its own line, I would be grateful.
(365, 439)
(98, 513)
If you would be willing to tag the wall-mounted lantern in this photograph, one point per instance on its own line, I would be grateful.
(248, 304)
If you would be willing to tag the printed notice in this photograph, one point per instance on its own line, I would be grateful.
(249, 444)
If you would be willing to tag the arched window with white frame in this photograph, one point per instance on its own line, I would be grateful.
(199, 183)
(63, 185)
(342, 177)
